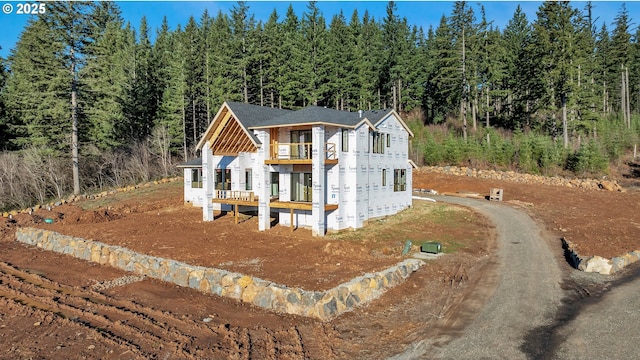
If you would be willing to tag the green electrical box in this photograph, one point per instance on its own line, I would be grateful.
(431, 247)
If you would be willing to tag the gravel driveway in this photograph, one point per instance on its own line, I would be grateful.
(527, 296)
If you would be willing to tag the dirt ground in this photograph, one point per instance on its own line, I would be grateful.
(52, 306)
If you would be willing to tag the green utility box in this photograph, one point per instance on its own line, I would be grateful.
(431, 247)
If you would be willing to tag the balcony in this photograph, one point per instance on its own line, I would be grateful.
(299, 153)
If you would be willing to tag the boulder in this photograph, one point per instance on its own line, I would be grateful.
(597, 264)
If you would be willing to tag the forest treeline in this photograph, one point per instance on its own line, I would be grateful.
(87, 95)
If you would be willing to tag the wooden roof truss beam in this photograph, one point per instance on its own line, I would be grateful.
(232, 140)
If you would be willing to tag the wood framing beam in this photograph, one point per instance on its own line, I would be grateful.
(220, 126)
(288, 162)
(299, 205)
(235, 202)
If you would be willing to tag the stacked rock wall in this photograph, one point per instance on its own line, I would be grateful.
(587, 184)
(598, 264)
(323, 305)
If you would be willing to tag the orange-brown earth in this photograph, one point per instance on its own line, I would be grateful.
(50, 306)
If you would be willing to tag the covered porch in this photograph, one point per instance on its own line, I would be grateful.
(237, 198)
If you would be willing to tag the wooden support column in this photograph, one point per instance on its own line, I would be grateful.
(235, 212)
(291, 222)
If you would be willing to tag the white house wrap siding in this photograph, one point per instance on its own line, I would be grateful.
(322, 183)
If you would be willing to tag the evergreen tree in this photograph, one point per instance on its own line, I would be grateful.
(554, 47)
(272, 58)
(393, 48)
(519, 70)
(223, 85)
(415, 74)
(621, 56)
(206, 23)
(604, 67)
(634, 69)
(339, 61)
(444, 80)
(194, 75)
(171, 117)
(463, 31)
(492, 70)
(371, 62)
(313, 46)
(583, 110)
(71, 25)
(5, 135)
(39, 116)
(105, 78)
(242, 24)
(291, 78)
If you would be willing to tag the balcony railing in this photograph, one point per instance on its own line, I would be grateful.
(300, 151)
(236, 195)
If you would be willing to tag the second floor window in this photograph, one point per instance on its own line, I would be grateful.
(378, 143)
(345, 140)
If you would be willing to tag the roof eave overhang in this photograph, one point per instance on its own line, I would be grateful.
(212, 127)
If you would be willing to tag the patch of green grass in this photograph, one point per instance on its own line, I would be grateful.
(450, 225)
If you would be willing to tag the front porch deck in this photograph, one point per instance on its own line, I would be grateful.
(248, 198)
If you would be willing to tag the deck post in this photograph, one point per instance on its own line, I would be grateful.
(318, 181)
(291, 221)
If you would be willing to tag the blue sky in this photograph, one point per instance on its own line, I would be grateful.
(420, 13)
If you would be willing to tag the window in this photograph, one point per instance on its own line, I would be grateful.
(388, 140)
(223, 179)
(301, 144)
(345, 140)
(275, 180)
(196, 178)
(384, 177)
(399, 180)
(248, 179)
(378, 143)
(301, 187)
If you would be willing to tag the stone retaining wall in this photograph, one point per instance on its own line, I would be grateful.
(587, 184)
(323, 305)
(597, 263)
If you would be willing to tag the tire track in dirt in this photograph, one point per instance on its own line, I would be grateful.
(139, 331)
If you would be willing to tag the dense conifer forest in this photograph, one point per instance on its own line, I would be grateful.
(88, 102)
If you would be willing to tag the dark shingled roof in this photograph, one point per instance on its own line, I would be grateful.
(317, 114)
(255, 115)
(197, 162)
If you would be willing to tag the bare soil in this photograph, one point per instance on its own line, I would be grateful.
(51, 308)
